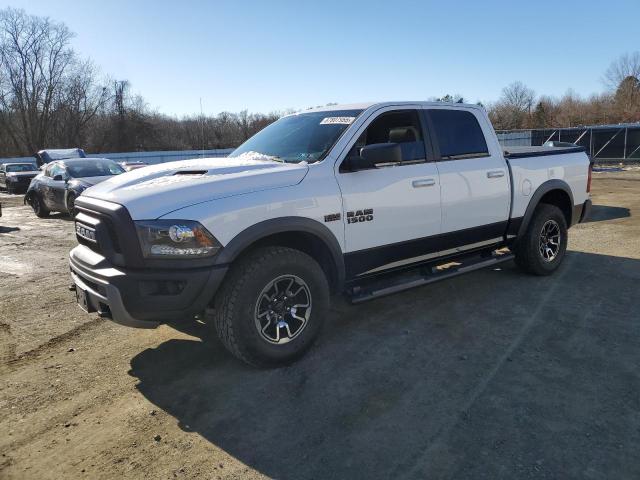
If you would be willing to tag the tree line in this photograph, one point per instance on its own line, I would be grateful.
(520, 108)
(51, 97)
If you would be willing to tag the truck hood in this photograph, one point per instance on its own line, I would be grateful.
(157, 190)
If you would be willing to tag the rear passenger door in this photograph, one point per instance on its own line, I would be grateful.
(389, 211)
(474, 182)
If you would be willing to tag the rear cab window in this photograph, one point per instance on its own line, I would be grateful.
(457, 134)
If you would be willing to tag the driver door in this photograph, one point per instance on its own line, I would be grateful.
(56, 186)
(60, 187)
(391, 212)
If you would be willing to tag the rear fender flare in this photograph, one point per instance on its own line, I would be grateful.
(543, 189)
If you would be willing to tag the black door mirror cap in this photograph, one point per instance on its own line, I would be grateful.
(378, 153)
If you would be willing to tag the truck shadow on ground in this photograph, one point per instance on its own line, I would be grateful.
(601, 213)
(480, 375)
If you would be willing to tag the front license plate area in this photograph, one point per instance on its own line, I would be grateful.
(83, 300)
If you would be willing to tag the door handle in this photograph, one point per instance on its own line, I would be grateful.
(495, 174)
(427, 182)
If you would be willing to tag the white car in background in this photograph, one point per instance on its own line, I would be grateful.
(128, 166)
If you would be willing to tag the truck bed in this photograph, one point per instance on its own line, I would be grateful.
(539, 151)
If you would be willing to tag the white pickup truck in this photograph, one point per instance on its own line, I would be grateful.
(363, 200)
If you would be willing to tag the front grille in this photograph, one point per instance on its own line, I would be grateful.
(107, 228)
(22, 181)
(112, 235)
(86, 232)
(95, 230)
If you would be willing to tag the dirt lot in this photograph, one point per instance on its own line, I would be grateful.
(495, 374)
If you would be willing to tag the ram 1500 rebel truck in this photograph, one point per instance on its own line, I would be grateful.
(364, 200)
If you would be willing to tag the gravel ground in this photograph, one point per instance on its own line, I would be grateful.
(495, 374)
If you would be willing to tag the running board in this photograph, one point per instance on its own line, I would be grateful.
(423, 276)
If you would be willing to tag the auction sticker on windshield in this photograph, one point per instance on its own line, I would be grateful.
(337, 120)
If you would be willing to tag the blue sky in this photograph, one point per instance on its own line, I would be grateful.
(275, 55)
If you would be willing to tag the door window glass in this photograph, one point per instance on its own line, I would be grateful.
(458, 134)
(58, 170)
(401, 127)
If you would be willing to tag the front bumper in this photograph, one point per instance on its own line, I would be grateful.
(18, 185)
(142, 298)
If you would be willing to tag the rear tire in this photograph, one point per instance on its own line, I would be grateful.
(542, 248)
(271, 306)
(38, 207)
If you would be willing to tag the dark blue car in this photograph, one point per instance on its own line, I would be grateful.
(62, 181)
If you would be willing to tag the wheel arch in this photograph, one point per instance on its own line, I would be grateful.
(304, 234)
(68, 193)
(553, 192)
(27, 197)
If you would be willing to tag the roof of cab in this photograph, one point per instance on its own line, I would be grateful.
(366, 105)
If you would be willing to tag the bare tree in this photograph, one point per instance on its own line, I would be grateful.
(627, 65)
(623, 80)
(518, 96)
(513, 109)
(78, 104)
(34, 57)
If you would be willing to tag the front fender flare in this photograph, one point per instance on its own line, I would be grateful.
(266, 228)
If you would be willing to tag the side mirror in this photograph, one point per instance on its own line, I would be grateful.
(58, 178)
(377, 153)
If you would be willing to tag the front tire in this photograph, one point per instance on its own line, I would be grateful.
(38, 207)
(71, 205)
(542, 248)
(271, 306)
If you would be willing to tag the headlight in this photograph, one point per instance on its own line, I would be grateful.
(175, 239)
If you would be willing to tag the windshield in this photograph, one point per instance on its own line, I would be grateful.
(301, 137)
(20, 167)
(93, 168)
